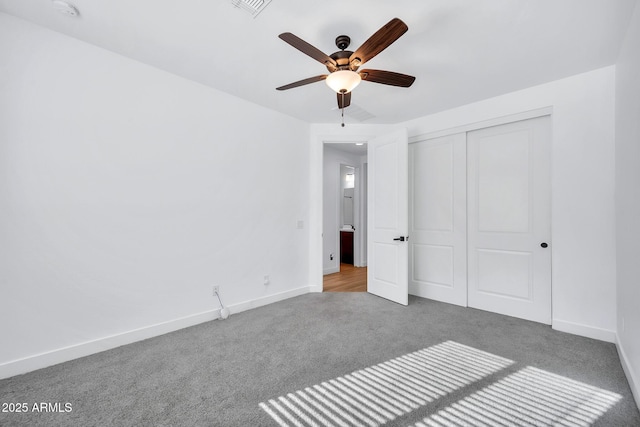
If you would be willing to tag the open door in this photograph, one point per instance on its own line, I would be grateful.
(388, 221)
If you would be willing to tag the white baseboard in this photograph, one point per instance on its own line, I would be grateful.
(632, 376)
(53, 357)
(65, 354)
(584, 330)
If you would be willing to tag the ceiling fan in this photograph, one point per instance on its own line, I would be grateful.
(343, 65)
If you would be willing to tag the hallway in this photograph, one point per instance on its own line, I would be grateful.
(349, 279)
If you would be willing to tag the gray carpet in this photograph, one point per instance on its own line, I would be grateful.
(219, 373)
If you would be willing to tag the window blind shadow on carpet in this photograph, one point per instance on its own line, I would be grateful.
(529, 397)
(376, 395)
(382, 393)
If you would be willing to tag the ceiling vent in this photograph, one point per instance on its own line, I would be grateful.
(253, 7)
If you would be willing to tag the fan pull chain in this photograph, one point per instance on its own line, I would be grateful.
(342, 109)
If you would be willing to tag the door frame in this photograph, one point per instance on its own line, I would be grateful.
(496, 121)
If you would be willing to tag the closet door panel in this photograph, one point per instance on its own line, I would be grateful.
(437, 267)
(509, 219)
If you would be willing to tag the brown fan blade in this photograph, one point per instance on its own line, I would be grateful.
(387, 77)
(303, 82)
(378, 42)
(344, 100)
(309, 50)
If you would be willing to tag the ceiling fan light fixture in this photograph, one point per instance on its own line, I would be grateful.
(343, 81)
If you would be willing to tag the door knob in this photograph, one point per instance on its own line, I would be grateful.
(543, 244)
(401, 238)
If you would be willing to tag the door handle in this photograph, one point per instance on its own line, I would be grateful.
(401, 238)
(543, 245)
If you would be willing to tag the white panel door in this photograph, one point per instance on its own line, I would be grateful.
(438, 219)
(509, 219)
(388, 221)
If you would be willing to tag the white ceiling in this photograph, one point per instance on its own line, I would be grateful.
(348, 147)
(461, 51)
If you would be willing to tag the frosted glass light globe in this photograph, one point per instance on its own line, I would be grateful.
(343, 80)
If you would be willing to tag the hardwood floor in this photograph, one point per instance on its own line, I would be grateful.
(349, 279)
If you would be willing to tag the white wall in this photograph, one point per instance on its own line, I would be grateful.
(126, 193)
(628, 201)
(583, 170)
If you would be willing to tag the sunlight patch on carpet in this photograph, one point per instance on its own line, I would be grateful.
(529, 397)
(376, 395)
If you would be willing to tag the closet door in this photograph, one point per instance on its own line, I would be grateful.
(438, 219)
(509, 219)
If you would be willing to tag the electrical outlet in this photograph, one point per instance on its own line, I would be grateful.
(331, 257)
(216, 290)
(267, 280)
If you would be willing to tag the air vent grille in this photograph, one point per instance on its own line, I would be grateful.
(253, 7)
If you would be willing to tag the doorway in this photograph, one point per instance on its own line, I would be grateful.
(387, 221)
(344, 217)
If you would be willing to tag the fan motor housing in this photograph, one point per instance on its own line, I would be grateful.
(342, 58)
